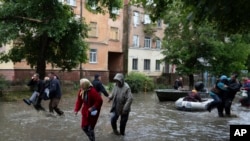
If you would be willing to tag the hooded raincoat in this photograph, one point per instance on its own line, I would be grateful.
(122, 96)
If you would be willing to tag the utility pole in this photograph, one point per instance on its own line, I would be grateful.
(81, 74)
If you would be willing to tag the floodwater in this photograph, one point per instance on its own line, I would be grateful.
(150, 120)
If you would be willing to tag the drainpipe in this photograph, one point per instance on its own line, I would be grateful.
(81, 74)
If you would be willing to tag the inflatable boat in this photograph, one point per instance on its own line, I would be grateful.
(180, 104)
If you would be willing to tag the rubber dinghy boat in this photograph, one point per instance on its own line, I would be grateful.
(192, 106)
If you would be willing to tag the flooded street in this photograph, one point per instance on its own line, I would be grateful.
(150, 120)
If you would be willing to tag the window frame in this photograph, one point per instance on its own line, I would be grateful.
(147, 41)
(135, 64)
(136, 41)
(146, 64)
(93, 56)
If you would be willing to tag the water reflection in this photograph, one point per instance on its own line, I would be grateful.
(150, 120)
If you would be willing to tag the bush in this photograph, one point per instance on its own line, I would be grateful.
(3, 83)
(139, 82)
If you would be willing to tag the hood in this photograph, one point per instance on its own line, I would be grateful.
(119, 77)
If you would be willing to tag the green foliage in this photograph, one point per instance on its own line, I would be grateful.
(45, 32)
(110, 86)
(3, 83)
(229, 16)
(104, 6)
(139, 82)
(195, 49)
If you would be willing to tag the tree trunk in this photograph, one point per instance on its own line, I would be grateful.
(41, 61)
(191, 81)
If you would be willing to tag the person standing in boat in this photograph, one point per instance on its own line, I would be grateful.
(178, 83)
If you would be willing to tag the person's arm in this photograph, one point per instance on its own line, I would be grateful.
(96, 97)
(79, 101)
(128, 101)
(103, 90)
(31, 82)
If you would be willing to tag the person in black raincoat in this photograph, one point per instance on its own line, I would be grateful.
(99, 86)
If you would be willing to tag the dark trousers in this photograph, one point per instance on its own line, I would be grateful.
(221, 106)
(228, 104)
(89, 131)
(123, 122)
(53, 105)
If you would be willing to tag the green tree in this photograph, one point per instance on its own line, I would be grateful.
(104, 6)
(229, 16)
(195, 48)
(44, 32)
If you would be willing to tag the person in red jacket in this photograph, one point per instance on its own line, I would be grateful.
(90, 102)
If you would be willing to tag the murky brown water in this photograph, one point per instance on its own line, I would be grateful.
(150, 120)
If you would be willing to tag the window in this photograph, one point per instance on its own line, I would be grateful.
(135, 64)
(146, 64)
(159, 23)
(147, 19)
(115, 10)
(91, 4)
(157, 64)
(147, 42)
(136, 41)
(114, 34)
(149, 2)
(136, 18)
(158, 44)
(93, 56)
(71, 2)
(93, 29)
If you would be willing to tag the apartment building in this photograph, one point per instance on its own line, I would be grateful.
(105, 55)
(144, 41)
(131, 43)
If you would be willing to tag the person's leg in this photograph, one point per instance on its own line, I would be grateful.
(228, 104)
(33, 97)
(114, 118)
(55, 106)
(89, 132)
(214, 103)
(123, 122)
(221, 106)
(51, 108)
(38, 105)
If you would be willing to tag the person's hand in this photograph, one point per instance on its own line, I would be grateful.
(76, 113)
(90, 109)
(109, 99)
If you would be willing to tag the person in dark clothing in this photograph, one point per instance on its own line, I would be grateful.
(218, 94)
(37, 87)
(99, 86)
(193, 96)
(178, 83)
(199, 86)
(233, 87)
(55, 94)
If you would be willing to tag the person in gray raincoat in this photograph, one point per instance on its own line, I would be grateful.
(122, 100)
